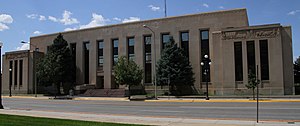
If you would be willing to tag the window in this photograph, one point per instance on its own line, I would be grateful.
(204, 51)
(115, 43)
(21, 73)
(148, 68)
(251, 57)
(86, 46)
(184, 38)
(165, 39)
(73, 53)
(16, 73)
(131, 42)
(264, 59)
(238, 61)
(100, 53)
(147, 44)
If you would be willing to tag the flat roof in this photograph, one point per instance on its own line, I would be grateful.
(144, 21)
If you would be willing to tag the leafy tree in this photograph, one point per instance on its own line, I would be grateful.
(297, 70)
(252, 83)
(175, 67)
(127, 72)
(56, 67)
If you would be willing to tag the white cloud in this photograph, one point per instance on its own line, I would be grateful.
(293, 12)
(52, 19)
(205, 5)
(221, 7)
(4, 20)
(154, 8)
(37, 32)
(42, 18)
(97, 20)
(66, 18)
(32, 16)
(131, 19)
(117, 19)
(23, 47)
(70, 29)
(3, 27)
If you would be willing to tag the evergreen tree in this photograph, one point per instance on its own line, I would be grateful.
(175, 67)
(127, 72)
(57, 67)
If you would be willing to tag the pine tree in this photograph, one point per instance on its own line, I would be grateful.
(175, 67)
(57, 67)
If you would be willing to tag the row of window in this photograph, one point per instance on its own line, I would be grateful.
(17, 70)
(165, 38)
(251, 63)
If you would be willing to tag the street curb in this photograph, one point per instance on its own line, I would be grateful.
(161, 100)
(100, 98)
(224, 100)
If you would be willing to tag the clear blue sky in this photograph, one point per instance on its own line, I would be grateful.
(21, 19)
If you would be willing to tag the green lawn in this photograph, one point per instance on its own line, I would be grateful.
(13, 120)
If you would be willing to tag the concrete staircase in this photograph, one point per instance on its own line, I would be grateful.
(105, 93)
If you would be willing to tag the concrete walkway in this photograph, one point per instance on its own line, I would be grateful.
(172, 99)
(161, 121)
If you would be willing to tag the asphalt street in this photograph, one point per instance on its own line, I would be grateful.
(269, 111)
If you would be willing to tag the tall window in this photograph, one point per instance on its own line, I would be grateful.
(251, 57)
(204, 35)
(115, 43)
(86, 46)
(264, 59)
(184, 38)
(16, 73)
(21, 73)
(73, 53)
(148, 68)
(100, 53)
(238, 61)
(131, 42)
(165, 39)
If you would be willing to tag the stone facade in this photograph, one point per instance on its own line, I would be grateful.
(18, 69)
(224, 28)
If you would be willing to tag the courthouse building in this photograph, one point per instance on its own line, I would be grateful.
(234, 47)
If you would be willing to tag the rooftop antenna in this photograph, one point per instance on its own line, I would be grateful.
(165, 8)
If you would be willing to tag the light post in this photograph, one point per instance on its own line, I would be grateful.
(34, 62)
(154, 53)
(205, 63)
(1, 106)
(10, 81)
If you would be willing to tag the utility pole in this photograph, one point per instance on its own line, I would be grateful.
(257, 93)
(165, 8)
(1, 106)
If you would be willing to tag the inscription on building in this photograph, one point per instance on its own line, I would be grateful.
(16, 56)
(251, 34)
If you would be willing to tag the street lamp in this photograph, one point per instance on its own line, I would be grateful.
(1, 106)
(205, 63)
(10, 81)
(34, 62)
(154, 76)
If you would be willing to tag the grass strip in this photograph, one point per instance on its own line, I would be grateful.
(15, 120)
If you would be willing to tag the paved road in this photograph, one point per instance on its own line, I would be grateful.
(273, 111)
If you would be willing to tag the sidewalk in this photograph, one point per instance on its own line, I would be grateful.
(161, 121)
(165, 99)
